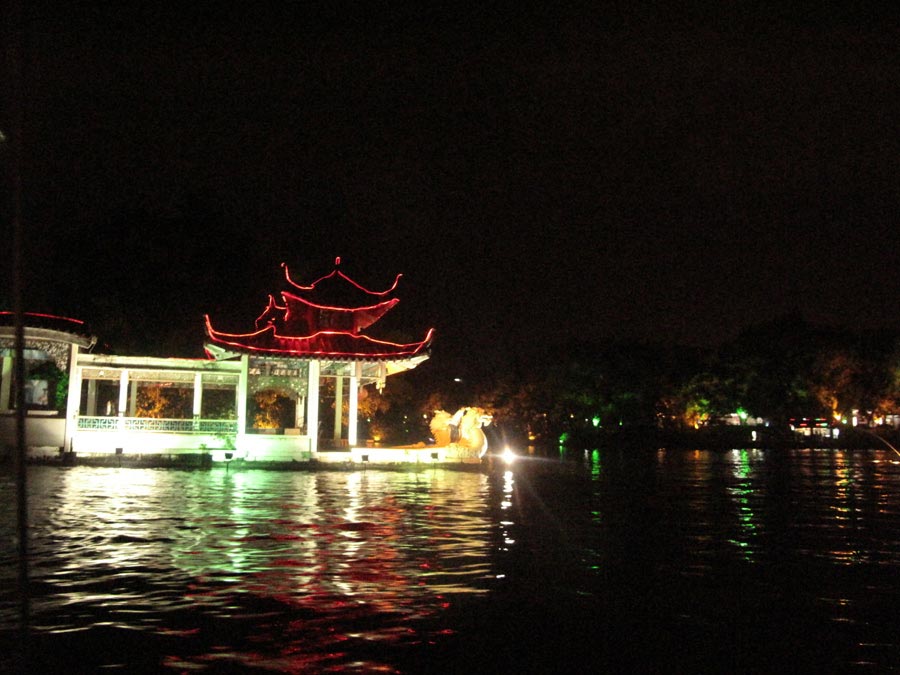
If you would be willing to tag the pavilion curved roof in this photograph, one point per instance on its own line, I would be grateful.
(37, 324)
(312, 323)
(299, 311)
(322, 344)
(335, 279)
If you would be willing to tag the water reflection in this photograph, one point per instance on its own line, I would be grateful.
(536, 567)
(743, 492)
(357, 555)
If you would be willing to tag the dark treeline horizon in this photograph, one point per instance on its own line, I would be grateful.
(771, 372)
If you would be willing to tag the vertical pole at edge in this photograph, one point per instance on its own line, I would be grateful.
(16, 109)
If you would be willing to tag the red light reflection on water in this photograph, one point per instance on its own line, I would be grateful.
(220, 572)
(339, 586)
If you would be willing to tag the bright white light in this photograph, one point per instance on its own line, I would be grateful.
(508, 455)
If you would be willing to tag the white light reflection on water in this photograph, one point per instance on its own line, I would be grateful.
(506, 505)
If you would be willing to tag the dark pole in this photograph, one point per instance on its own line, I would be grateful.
(16, 104)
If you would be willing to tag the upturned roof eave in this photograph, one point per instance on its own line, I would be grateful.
(224, 351)
(260, 343)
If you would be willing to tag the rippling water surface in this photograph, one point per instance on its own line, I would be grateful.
(746, 560)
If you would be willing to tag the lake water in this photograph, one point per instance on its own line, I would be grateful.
(624, 561)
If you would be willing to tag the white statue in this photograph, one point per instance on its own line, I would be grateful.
(462, 431)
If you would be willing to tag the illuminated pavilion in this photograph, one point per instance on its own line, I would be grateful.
(311, 342)
(316, 333)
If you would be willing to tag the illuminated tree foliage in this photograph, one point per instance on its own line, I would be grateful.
(782, 369)
(889, 401)
(855, 377)
(57, 383)
(272, 410)
(163, 402)
(832, 380)
(219, 404)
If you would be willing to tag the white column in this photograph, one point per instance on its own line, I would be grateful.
(354, 404)
(73, 403)
(338, 406)
(198, 399)
(382, 377)
(132, 401)
(92, 398)
(300, 411)
(6, 382)
(123, 391)
(241, 401)
(198, 394)
(123, 396)
(312, 406)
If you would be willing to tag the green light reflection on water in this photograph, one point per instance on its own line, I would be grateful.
(346, 532)
(741, 494)
(358, 555)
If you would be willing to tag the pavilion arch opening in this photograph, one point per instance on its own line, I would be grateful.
(273, 409)
(161, 400)
(277, 396)
(46, 379)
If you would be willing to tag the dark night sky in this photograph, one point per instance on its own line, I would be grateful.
(534, 176)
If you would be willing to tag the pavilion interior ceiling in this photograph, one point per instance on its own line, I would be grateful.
(160, 375)
(275, 382)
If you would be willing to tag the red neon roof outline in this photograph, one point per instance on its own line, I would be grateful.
(45, 316)
(361, 317)
(409, 349)
(239, 340)
(212, 330)
(269, 307)
(386, 305)
(338, 273)
(265, 329)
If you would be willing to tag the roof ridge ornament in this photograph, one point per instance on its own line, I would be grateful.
(339, 273)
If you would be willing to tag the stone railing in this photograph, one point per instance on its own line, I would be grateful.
(151, 424)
